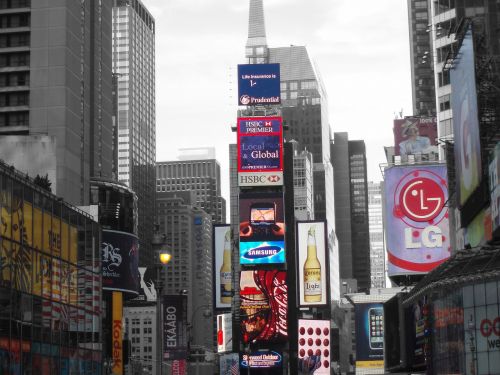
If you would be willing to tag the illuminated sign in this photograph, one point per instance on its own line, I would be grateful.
(369, 318)
(417, 219)
(223, 247)
(259, 84)
(260, 179)
(262, 359)
(263, 306)
(312, 264)
(314, 351)
(224, 333)
(174, 327)
(415, 136)
(262, 228)
(117, 333)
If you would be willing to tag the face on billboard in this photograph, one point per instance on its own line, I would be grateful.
(259, 84)
(120, 261)
(369, 318)
(414, 135)
(314, 347)
(263, 306)
(260, 144)
(311, 263)
(224, 333)
(223, 270)
(262, 228)
(417, 228)
(465, 121)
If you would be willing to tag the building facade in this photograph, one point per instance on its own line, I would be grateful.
(199, 176)
(351, 209)
(56, 100)
(303, 185)
(186, 232)
(134, 71)
(50, 282)
(376, 228)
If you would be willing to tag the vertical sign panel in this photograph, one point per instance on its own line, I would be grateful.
(369, 319)
(314, 347)
(417, 229)
(174, 327)
(117, 332)
(312, 263)
(223, 270)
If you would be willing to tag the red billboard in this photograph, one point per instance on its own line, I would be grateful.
(415, 136)
(263, 306)
(417, 228)
(314, 347)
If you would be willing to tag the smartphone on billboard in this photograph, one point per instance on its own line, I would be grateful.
(376, 324)
(262, 216)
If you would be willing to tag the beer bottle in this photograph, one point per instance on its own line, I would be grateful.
(225, 270)
(312, 270)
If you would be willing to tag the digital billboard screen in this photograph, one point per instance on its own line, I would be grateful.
(465, 120)
(417, 229)
(262, 359)
(415, 135)
(312, 263)
(314, 350)
(120, 261)
(259, 84)
(263, 306)
(262, 228)
(260, 144)
(175, 342)
(369, 319)
(223, 248)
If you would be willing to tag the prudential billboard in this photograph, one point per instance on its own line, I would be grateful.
(417, 228)
(259, 84)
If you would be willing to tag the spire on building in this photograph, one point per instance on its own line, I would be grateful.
(256, 46)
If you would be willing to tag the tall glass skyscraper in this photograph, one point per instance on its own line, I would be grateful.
(377, 250)
(134, 71)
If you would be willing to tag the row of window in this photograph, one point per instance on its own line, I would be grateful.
(14, 20)
(14, 40)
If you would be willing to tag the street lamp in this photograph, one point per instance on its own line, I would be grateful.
(163, 258)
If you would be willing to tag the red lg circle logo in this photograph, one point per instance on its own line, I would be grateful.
(421, 199)
(488, 327)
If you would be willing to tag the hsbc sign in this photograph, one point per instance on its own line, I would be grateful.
(260, 179)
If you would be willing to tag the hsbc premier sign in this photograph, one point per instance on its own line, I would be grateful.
(260, 151)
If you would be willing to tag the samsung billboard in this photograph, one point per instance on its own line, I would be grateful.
(417, 228)
(262, 228)
(259, 84)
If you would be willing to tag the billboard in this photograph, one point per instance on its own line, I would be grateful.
(175, 341)
(224, 333)
(229, 364)
(369, 318)
(179, 367)
(415, 135)
(260, 151)
(417, 229)
(262, 228)
(465, 120)
(262, 359)
(117, 333)
(223, 248)
(120, 261)
(314, 351)
(259, 84)
(312, 263)
(494, 173)
(263, 306)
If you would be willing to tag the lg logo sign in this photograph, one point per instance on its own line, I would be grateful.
(421, 199)
(489, 327)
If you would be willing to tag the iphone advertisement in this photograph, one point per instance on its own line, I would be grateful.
(369, 335)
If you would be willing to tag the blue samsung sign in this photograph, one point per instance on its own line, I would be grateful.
(259, 84)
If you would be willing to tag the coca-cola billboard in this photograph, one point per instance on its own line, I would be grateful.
(263, 306)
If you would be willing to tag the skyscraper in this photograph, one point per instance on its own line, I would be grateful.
(134, 71)
(376, 225)
(55, 100)
(351, 209)
(200, 176)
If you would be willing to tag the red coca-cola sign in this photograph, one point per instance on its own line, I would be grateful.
(263, 306)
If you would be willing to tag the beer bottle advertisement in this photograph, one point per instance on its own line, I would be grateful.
(312, 268)
(223, 270)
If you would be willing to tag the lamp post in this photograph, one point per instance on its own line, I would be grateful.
(163, 258)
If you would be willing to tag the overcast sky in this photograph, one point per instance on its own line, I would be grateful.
(360, 47)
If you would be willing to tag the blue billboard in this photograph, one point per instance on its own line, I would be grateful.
(260, 144)
(259, 84)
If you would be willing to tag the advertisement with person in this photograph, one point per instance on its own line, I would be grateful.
(369, 318)
(262, 228)
(314, 350)
(312, 263)
(259, 84)
(223, 248)
(415, 135)
(175, 342)
(417, 228)
(120, 261)
(465, 120)
(263, 306)
(224, 333)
